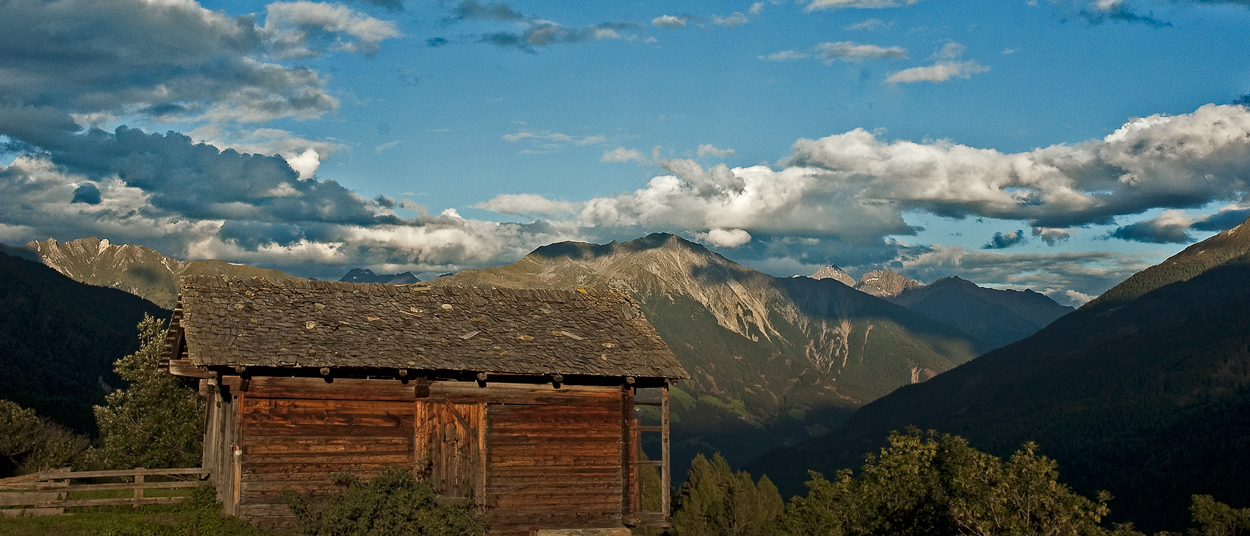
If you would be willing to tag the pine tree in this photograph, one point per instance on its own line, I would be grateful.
(157, 421)
(717, 502)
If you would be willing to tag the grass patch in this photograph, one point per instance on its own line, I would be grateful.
(199, 516)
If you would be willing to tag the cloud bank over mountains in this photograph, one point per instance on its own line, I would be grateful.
(77, 72)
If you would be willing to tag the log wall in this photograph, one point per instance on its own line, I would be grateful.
(533, 456)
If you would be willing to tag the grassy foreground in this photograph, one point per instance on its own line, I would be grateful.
(198, 516)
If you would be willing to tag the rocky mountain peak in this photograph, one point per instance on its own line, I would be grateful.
(835, 273)
(884, 283)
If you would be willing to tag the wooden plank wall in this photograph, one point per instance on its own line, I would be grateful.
(553, 457)
(554, 466)
(299, 443)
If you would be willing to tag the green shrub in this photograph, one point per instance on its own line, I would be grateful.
(29, 443)
(395, 503)
(157, 421)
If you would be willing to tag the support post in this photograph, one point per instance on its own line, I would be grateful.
(666, 480)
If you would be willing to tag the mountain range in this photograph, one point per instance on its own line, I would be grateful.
(138, 270)
(365, 275)
(1144, 392)
(772, 360)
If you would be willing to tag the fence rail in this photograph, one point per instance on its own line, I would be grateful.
(50, 492)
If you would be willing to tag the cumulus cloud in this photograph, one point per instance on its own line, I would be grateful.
(820, 5)
(725, 238)
(852, 51)
(756, 8)
(1051, 236)
(1154, 162)
(670, 21)
(296, 24)
(1171, 227)
(180, 62)
(1064, 277)
(1005, 240)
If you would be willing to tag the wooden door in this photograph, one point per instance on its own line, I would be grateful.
(450, 444)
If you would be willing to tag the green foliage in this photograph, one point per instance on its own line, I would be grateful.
(200, 516)
(157, 421)
(395, 503)
(926, 484)
(1218, 519)
(715, 501)
(29, 443)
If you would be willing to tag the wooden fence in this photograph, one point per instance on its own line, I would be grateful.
(50, 492)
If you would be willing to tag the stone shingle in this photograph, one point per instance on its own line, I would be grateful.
(266, 323)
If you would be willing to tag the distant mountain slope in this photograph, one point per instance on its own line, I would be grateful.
(884, 283)
(358, 275)
(771, 359)
(998, 317)
(59, 338)
(836, 274)
(135, 269)
(1144, 392)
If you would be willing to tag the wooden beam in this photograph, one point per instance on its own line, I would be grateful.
(667, 477)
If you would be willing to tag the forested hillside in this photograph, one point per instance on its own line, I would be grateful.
(59, 338)
(1146, 395)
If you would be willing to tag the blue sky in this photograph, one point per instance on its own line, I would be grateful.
(1051, 144)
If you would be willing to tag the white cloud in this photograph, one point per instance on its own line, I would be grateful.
(852, 51)
(726, 238)
(528, 205)
(818, 5)
(1051, 236)
(554, 139)
(938, 72)
(1065, 277)
(708, 149)
(669, 21)
(305, 163)
(949, 51)
(294, 24)
(870, 25)
(756, 8)
(732, 21)
(621, 154)
(786, 55)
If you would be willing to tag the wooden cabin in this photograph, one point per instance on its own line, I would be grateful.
(521, 400)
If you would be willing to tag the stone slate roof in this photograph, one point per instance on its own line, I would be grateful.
(265, 323)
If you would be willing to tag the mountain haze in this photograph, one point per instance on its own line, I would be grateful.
(1144, 392)
(771, 359)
